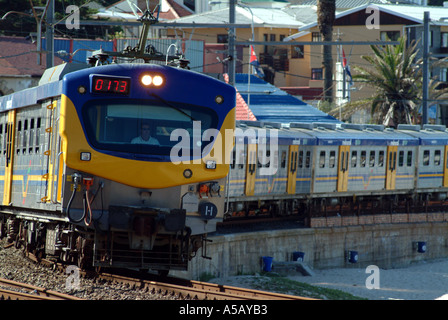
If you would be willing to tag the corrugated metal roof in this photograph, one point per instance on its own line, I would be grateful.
(410, 12)
(269, 103)
(343, 4)
(273, 17)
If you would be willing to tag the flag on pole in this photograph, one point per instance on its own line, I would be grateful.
(346, 67)
(254, 62)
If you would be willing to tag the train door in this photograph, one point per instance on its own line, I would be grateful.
(55, 166)
(391, 172)
(343, 168)
(251, 167)
(9, 156)
(445, 168)
(292, 169)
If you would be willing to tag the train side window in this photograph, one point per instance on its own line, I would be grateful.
(332, 159)
(259, 165)
(38, 124)
(1, 138)
(409, 160)
(232, 164)
(354, 158)
(264, 159)
(426, 158)
(31, 135)
(300, 159)
(308, 159)
(401, 158)
(25, 135)
(283, 164)
(437, 156)
(19, 136)
(363, 159)
(322, 159)
(372, 158)
(381, 159)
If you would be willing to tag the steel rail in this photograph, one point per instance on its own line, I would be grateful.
(35, 293)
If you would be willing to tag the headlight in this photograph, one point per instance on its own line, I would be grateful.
(152, 80)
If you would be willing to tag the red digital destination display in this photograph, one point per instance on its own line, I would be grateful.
(114, 85)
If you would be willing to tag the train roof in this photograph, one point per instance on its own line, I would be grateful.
(265, 129)
(428, 135)
(29, 97)
(352, 134)
(50, 85)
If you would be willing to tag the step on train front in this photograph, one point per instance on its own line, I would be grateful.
(120, 165)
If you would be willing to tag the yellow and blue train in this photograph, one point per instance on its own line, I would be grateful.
(324, 169)
(116, 165)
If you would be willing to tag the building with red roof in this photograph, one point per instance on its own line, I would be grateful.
(19, 68)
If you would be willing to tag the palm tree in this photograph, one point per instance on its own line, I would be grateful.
(397, 77)
(325, 19)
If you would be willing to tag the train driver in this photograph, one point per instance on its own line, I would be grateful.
(145, 136)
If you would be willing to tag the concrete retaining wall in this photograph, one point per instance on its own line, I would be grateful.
(385, 245)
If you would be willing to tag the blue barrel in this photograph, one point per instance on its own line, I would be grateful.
(421, 246)
(298, 256)
(353, 256)
(267, 263)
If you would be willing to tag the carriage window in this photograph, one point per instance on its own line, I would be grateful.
(426, 158)
(37, 143)
(322, 159)
(363, 159)
(380, 158)
(400, 158)
(232, 164)
(332, 159)
(354, 158)
(241, 160)
(283, 159)
(409, 160)
(308, 159)
(25, 135)
(264, 158)
(31, 135)
(372, 159)
(300, 159)
(437, 155)
(19, 136)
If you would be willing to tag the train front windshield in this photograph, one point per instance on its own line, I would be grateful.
(145, 128)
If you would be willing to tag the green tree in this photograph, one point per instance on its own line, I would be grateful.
(325, 19)
(396, 75)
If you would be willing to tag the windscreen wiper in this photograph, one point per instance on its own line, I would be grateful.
(173, 107)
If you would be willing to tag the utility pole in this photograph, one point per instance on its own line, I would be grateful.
(232, 56)
(425, 67)
(49, 34)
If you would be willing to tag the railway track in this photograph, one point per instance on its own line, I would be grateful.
(197, 290)
(25, 291)
(170, 287)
